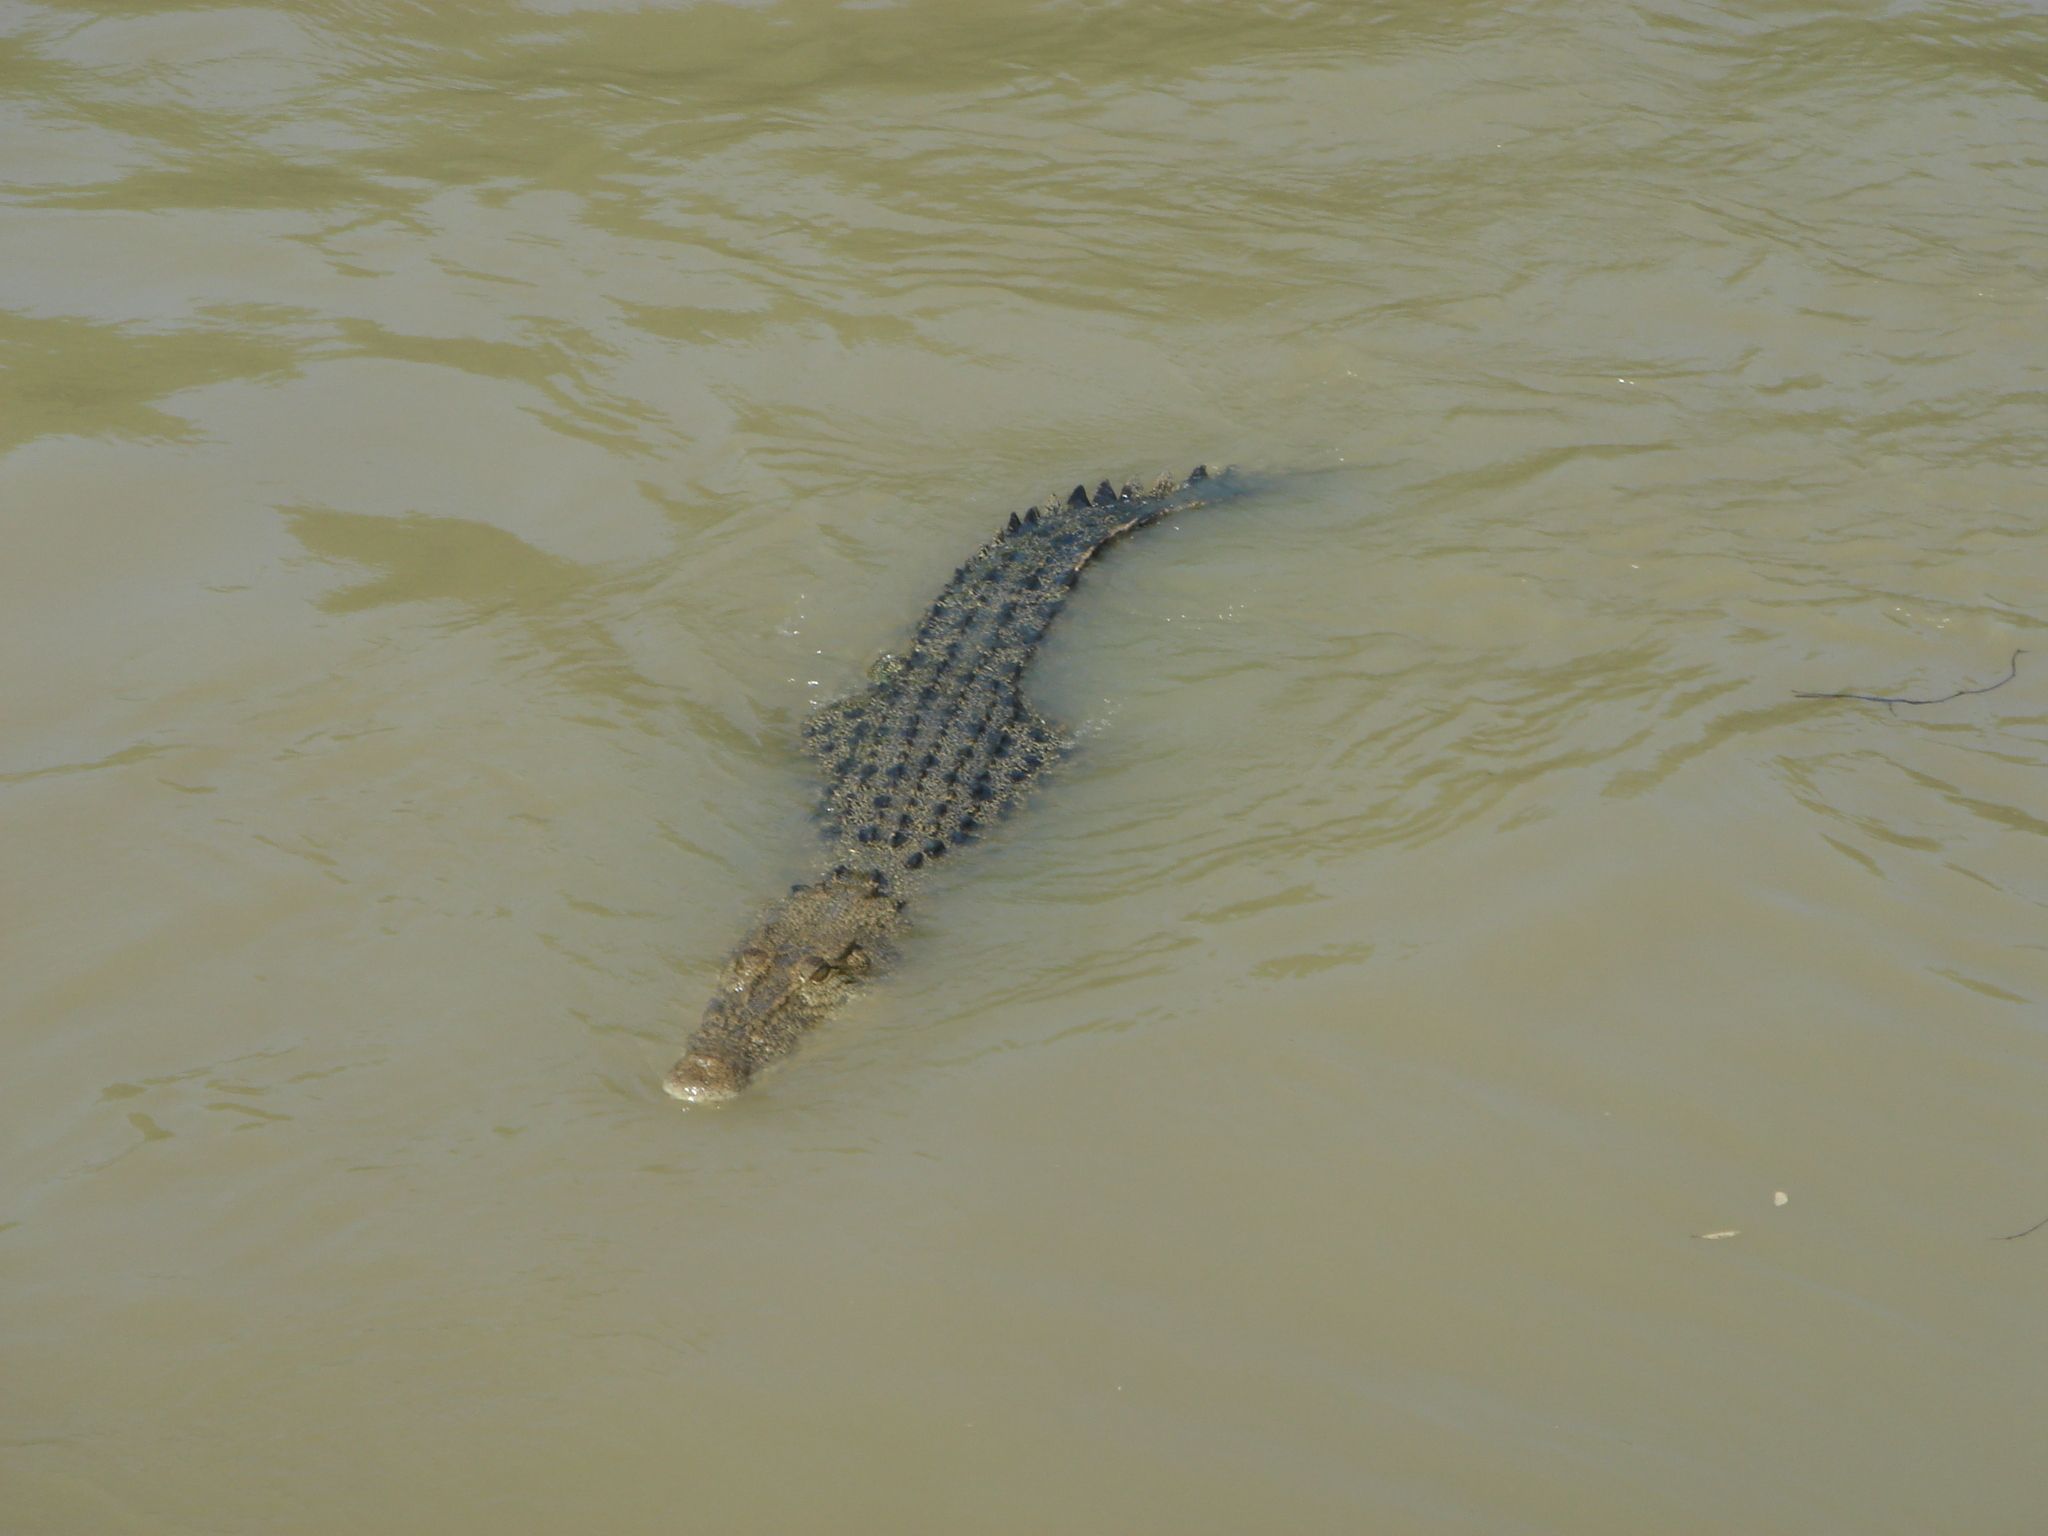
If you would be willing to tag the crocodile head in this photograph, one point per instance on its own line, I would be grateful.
(808, 952)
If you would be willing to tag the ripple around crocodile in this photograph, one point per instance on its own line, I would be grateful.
(916, 766)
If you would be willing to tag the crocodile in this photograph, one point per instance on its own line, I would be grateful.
(916, 767)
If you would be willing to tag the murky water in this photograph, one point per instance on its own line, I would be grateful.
(444, 452)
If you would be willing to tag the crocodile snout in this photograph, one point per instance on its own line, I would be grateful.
(703, 1078)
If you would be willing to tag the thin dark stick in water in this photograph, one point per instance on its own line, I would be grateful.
(1888, 700)
(2037, 1226)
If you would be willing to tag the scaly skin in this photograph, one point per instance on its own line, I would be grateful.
(916, 766)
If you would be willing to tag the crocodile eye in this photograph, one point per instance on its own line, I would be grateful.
(855, 961)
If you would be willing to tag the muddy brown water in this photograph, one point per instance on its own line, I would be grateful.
(444, 453)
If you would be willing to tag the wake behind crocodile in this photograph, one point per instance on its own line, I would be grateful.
(916, 767)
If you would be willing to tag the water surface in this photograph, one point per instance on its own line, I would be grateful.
(445, 452)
